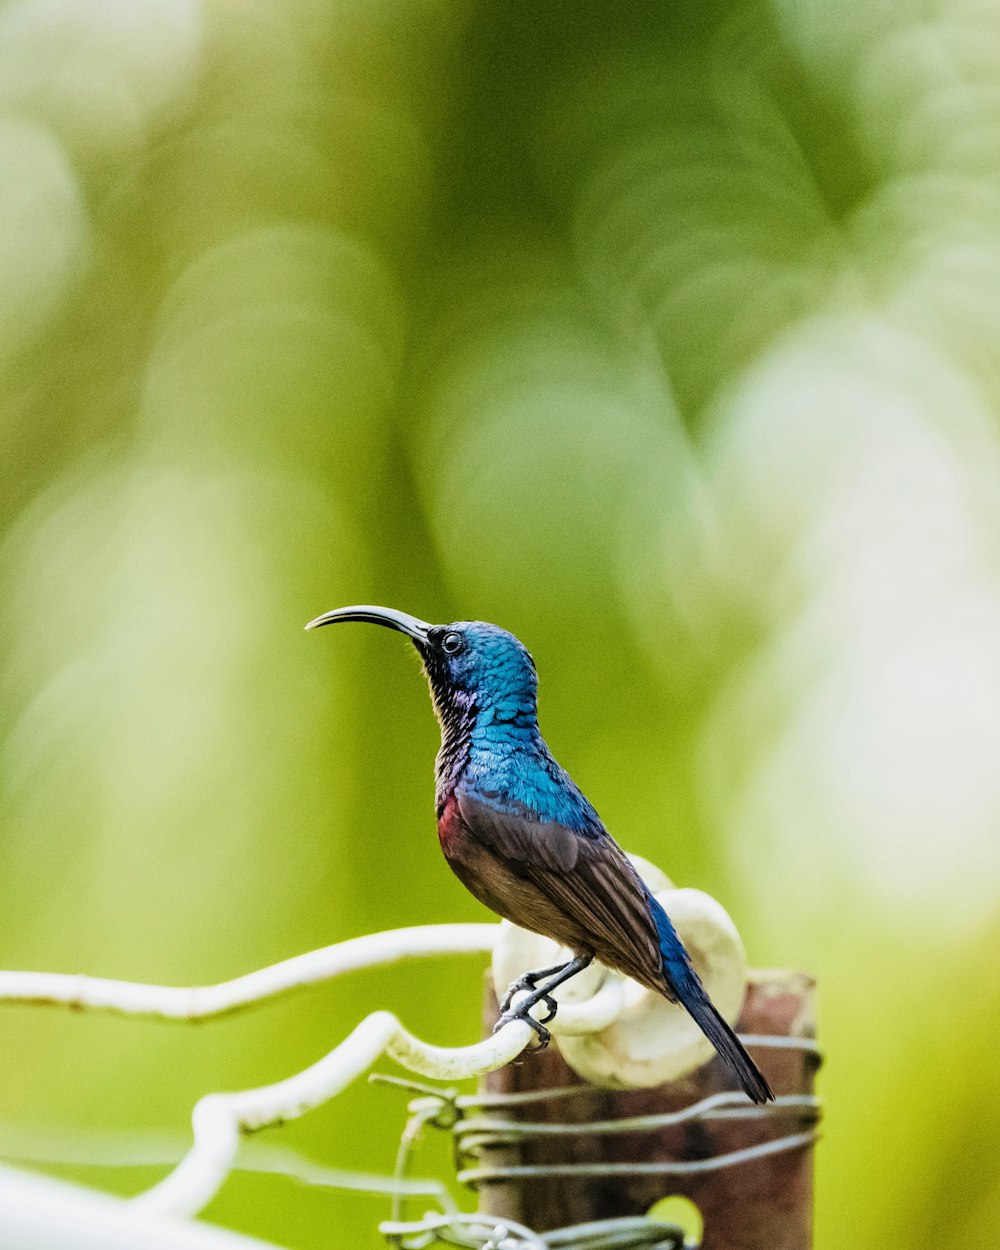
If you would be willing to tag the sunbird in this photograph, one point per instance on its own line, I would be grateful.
(521, 836)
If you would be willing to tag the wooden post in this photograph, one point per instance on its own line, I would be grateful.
(761, 1204)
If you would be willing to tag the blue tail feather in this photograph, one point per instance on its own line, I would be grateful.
(685, 986)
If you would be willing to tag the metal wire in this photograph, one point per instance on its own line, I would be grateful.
(625, 1233)
(443, 1108)
(489, 1131)
(476, 1133)
(485, 1232)
(692, 1167)
(806, 1045)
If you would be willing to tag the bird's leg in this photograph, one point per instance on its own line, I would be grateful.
(543, 993)
(527, 982)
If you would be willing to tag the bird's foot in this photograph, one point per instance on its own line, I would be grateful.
(521, 1013)
(537, 996)
(551, 1006)
(551, 977)
(528, 982)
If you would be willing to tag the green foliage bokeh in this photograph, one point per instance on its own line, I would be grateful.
(665, 335)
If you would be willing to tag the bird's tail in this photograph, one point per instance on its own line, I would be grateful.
(686, 986)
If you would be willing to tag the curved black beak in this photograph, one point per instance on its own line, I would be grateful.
(389, 617)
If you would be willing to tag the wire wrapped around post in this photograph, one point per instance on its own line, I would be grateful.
(548, 1151)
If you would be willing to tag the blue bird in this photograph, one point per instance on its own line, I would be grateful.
(521, 836)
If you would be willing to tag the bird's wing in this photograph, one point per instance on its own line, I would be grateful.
(587, 876)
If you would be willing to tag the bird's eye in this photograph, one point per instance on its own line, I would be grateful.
(452, 643)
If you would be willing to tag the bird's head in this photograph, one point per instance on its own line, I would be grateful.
(472, 666)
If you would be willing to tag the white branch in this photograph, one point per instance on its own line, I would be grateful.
(205, 1002)
(219, 1119)
(39, 1211)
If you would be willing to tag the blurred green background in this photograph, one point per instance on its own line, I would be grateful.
(666, 335)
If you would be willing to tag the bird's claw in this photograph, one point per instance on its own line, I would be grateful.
(550, 1003)
(551, 1006)
(527, 982)
(521, 1013)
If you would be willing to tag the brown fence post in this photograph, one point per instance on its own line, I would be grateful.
(764, 1203)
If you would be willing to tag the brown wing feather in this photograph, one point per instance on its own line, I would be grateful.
(587, 877)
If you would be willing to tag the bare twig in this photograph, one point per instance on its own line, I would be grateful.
(39, 1211)
(206, 1002)
(219, 1119)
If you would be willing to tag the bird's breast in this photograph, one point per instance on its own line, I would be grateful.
(450, 828)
